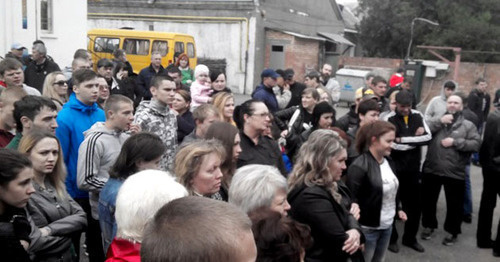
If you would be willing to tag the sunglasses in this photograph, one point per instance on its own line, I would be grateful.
(60, 83)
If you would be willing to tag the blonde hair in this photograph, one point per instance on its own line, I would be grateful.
(189, 158)
(58, 175)
(49, 90)
(312, 166)
(219, 101)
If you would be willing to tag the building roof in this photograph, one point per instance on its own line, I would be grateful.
(300, 35)
(350, 20)
(337, 38)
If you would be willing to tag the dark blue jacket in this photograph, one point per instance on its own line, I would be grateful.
(266, 95)
(144, 79)
(74, 118)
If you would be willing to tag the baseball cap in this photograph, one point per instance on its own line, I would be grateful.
(17, 46)
(289, 73)
(368, 92)
(403, 97)
(370, 96)
(269, 73)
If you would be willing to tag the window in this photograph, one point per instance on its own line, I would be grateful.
(190, 50)
(160, 46)
(106, 45)
(136, 46)
(277, 48)
(330, 47)
(179, 47)
(46, 15)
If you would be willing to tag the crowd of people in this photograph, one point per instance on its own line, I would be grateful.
(163, 166)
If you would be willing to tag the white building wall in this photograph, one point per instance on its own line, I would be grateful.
(69, 27)
(215, 40)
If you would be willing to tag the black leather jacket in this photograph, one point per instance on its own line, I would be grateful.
(365, 182)
(328, 220)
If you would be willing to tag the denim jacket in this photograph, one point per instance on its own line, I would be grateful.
(106, 208)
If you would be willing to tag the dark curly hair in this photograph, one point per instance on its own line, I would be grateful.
(279, 239)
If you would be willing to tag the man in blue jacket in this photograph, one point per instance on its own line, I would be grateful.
(264, 91)
(76, 116)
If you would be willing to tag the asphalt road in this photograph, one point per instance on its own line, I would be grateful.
(465, 249)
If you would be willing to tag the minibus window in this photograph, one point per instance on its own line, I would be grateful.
(106, 45)
(160, 46)
(179, 47)
(136, 46)
(190, 50)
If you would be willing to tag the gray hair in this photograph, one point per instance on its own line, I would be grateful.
(254, 186)
(40, 48)
(140, 196)
(155, 53)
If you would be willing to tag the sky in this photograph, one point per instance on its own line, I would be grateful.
(349, 3)
(346, 1)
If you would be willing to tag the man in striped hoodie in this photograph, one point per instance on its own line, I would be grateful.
(102, 144)
(98, 152)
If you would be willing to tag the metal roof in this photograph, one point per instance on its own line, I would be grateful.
(339, 39)
(300, 35)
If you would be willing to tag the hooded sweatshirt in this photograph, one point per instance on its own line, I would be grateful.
(97, 153)
(436, 108)
(74, 119)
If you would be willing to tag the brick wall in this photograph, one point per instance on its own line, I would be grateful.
(301, 54)
(469, 72)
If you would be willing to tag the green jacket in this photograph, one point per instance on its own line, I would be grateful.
(14, 143)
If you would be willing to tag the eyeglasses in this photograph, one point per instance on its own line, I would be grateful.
(60, 83)
(262, 114)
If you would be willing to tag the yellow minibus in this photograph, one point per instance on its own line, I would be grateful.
(139, 45)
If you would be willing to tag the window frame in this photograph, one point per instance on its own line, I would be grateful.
(193, 55)
(182, 45)
(137, 39)
(162, 41)
(48, 5)
(106, 49)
